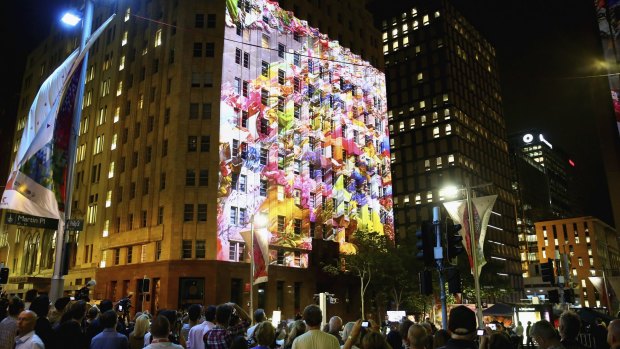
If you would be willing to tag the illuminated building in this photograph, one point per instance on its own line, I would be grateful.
(192, 128)
(592, 250)
(446, 123)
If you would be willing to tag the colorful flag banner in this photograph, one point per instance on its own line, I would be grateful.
(260, 254)
(36, 184)
(481, 212)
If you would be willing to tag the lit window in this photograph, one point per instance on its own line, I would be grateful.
(420, 76)
(425, 20)
(544, 253)
(439, 162)
(429, 196)
(422, 104)
(418, 199)
(405, 41)
(108, 200)
(111, 170)
(119, 89)
(416, 25)
(385, 36)
(127, 14)
(386, 48)
(437, 14)
(414, 12)
(124, 41)
(395, 45)
(427, 165)
(157, 38)
(117, 113)
(401, 126)
(435, 132)
(395, 32)
(448, 129)
(114, 138)
(121, 65)
(405, 28)
(106, 228)
(280, 193)
(451, 158)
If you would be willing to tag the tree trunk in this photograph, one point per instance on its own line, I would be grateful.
(362, 295)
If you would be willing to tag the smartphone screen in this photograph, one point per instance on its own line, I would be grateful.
(493, 327)
(481, 332)
(120, 308)
(364, 323)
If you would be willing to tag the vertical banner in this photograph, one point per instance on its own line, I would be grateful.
(260, 254)
(609, 29)
(481, 212)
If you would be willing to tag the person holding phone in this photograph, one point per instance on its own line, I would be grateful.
(230, 321)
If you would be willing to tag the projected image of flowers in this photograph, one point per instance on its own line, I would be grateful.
(303, 136)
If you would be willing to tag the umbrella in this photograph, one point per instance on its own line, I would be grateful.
(498, 309)
(590, 315)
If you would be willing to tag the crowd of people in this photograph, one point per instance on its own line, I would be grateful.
(66, 324)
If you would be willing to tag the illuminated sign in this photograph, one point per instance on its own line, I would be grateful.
(571, 162)
(303, 137)
(529, 138)
(542, 139)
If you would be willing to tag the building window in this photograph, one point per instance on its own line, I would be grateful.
(235, 252)
(201, 249)
(190, 177)
(297, 226)
(158, 250)
(192, 143)
(202, 212)
(199, 21)
(281, 50)
(265, 69)
(187, 249)
(281, 224)
(188, 213)
(198, 49)
(160, 215)
(211, 20)
(264, 186)
(203, 179)
(234, 211)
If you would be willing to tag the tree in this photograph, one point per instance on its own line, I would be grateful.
(366, 263)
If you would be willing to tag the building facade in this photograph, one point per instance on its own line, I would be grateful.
(446, 123)
(592, 250)
(192, 128)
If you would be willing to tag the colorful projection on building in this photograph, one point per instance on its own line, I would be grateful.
(607, 12)
(303, 137)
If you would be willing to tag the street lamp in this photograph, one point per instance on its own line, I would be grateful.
(57, 283)
(260, 221)
(452, 191)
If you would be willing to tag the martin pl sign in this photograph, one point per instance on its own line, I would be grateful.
(31, 221)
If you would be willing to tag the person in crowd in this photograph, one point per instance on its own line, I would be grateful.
(8, 326)
(175, 328)
(259, 316)
(27, 339)
(141, 327)
(613, 334)
(230, 321)
(194, 313)
(43, 327)
(346, 333)
(519, 333)
(496, 340)
(60, 305)
(29, 297)
(69, 333)
(433, 327)
(393, 337)
(417, 337)
(91, 315)
(374, 340)
(440, 338)
(530, 341)
(281, 333)
(462, 327)
(109, 338)
(599, 332)
(297, 329)
(196, 334)
(95, 326)
(4, 305)
(314, 337)
(239, 343)
(545, 335)
(403, 330)
(335, 326)
(160, 331)
(570, 325)
(265, 335)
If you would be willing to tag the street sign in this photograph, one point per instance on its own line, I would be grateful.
(75, 224)
(25, 220)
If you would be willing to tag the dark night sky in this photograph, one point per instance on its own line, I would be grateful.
(542, 47)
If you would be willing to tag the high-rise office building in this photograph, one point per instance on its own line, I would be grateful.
(446, 122)
(196, 118)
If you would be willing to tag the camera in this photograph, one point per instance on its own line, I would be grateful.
(365, 324)
(480, 332)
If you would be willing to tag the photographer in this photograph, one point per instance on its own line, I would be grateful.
(230, 321)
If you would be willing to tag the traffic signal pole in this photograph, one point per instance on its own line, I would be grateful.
(438, 253)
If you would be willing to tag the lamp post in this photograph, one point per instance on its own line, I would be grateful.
(57, 283)
(259, 220)
(452, 191)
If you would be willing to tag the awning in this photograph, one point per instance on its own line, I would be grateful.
(498, 309)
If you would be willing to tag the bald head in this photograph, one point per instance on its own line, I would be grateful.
(613, 334)
(335, 324)
(417, 336)
(26, 321)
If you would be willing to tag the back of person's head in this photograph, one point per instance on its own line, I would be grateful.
(462, 322)
(78, 310)
(440, 338)
(16, 306)
(223, 313)
(31, 295)
(499, 341)
(313, 315)
(41, 306)
(259, 315)
(193, 312)
(160, 328)
(374, 340)
(61, 303)
(543, 329)
(108, 319)
(239, 343)
(417, 336)
(92, 313)
(403, 328)
(335, 324)
(569, 324)
(171, 315)
(347, 328)
(141, 326)
(265, 333)
(105, 305)
(298, 327)
(210, 313)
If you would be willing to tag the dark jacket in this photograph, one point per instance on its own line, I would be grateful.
(460, 344)
(43, 329)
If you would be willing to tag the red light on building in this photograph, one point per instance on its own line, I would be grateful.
(570, 162)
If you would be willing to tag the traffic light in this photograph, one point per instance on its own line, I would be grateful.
(547, 272)
(554, 296)
(426, 282)
(4, 276)
(569, 296)
(454, 280)
(426, 244)
(146, 285)
(454, 240)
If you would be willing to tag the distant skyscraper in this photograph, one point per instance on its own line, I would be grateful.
(446, 123)
(190, 129)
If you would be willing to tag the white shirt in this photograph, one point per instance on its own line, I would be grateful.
(163, 345)
(29, 341)
(316, 339)
(196, 334)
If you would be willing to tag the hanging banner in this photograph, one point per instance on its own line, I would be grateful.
(260, 254)
(481, 212)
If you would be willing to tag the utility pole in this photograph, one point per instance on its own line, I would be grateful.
(438, 253)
